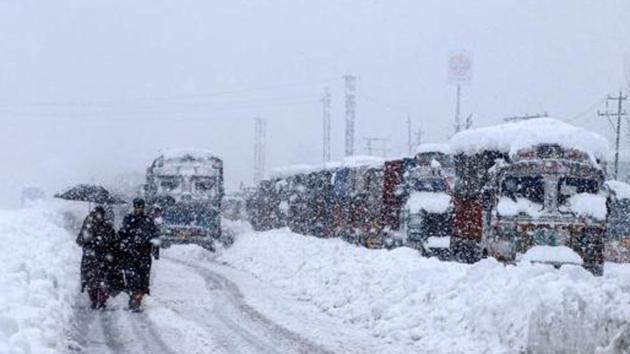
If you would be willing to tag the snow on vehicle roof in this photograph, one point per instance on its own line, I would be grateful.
(552, 254)
(200, 154)
(362, 160)
(432, 202)
(349, 161)
(512, 137)
(291, 170)
(621, 189)
(443, 148)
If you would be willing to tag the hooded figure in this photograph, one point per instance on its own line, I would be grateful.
(98, 272)
(137, 235)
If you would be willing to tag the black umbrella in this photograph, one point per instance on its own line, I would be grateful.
(90, 193)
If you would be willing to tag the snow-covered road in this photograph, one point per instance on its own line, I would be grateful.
(194, 310)
(198, 306)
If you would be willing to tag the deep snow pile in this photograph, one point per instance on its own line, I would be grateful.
(38, 281)
(441, 307)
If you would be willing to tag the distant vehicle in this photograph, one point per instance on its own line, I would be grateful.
(31, 195)
(185, 190)
(531, 190)
(233, 207)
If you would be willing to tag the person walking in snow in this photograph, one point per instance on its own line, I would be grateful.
(138, 235)
(99, 242)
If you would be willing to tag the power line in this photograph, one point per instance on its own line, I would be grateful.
(139, 111)
(89, 103)
(588, 110)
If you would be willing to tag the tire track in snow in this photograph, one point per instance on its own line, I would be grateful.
(145, 328)
(254, 323)
(113, 331)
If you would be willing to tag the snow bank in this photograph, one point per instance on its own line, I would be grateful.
(512, 137)
(38, 281)
(424, 305)
(588, 205)
(552, 254)
(620, 189)
(428, 201)
(509, 207)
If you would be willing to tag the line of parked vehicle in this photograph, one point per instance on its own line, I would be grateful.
(531, 190)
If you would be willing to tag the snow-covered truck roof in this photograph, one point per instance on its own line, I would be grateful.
(512, 137)
(287, 171)
(349, 161)
(197, 154)
(185, 161)
(362, 160)
(441, 148)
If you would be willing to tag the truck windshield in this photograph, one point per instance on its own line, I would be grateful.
(185, 215)
(430, 185)
(569, 186)
(528, 187)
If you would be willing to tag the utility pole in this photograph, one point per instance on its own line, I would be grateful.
(409, 143)
(351, 87)
(260, 129)
(326, 124)
(620, 112)
(419, 134)
(458, 123)
(371, 149)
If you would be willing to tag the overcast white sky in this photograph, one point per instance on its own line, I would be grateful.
(92, 89)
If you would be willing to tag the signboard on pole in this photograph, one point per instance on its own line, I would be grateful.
(459, 67)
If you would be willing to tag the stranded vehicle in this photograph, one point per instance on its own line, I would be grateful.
(185, 189)
(617, 243)
(428, 211)
(530, 190)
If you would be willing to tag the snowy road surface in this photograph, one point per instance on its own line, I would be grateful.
(194, 310)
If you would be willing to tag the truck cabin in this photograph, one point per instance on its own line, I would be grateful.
(186, 178)
(187, 189)
(549, 177)
(530, 183)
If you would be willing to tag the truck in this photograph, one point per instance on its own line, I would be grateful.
(617, 243)
(184, 191)
(428, 209)
(530, 191)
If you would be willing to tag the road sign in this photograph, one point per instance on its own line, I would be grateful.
(459, 67)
